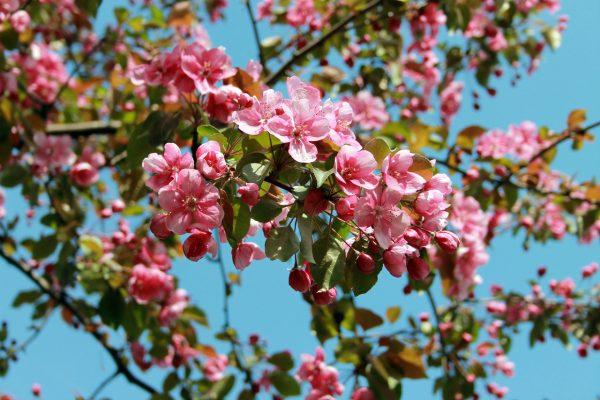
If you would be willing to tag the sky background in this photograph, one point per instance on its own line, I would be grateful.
(68, 362)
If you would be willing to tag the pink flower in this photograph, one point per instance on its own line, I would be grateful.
(244, 253)
(440, 182)
(397, 176)
(496, 40)
(586, 271)
(302, 12)
(147, 284)
(495, 144)
(206, 67)
(224, 101)
(526, 139)
(378, 209)
(83, 174)
(52, 152)
(341, 117)
(253, 120)
(369, 111)
(254, 69)
(173, 307)
(354, 170)
(36, 389)
(191, 203)
(249, 193)
(362, 393)
(158, 226)
(210, 161)
(450, 100)
(324, 379)
(265, 9)
(496, 307)
(430, 202)
(214, 367)
(198, 244)
(20, 21)
(345, 207)
(323, 297)
(166, 167)
(301, 122)
(395, 257)
(563, 288)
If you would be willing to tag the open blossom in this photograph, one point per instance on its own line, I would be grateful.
(249, 193)
(526, 139)
(563, 288)
(210, 161)
(173, 307)
(244, 253)
(369, 111)
(495, 144)
(85, 171)
(363, 393)
(303, 12)
(253, 120)
(586, 271)
(191, 203)
(206, 66)
(341, 117)
(301, 122)
(20, 21)
(379, 209)
(44, 71)
(52, 152)
(323, 378)
(397, 176)
(395, 258)
(354, 170)
(147, 284)
(214, 367)
(222, 102)
(166, 166)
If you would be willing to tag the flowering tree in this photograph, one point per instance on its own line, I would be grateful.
(336, 145)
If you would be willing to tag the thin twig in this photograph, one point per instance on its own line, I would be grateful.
(439, 330)
(103, 385)
(261, 55)
(300, 54)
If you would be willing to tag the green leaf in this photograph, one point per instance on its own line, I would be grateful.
(285, 384)
(266, 210)
(112, 308)
(13, 175)
(26, 297)
(156, 130)
(282, 360)
(305, 225)
(135, 320)
(193, 313)
(255, 172)
(240, 222)
(321, 176)
(379, 148)
(91, 246)
(44, 247)
(330, 260)
(281, 244)
(367, 319)
(221, 388)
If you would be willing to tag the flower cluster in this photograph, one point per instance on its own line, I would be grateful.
(521, 141)
(323, 378)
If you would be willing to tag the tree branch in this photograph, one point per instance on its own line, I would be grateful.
(261, 55)
(84, 129)
(61, 299)
(300, 54)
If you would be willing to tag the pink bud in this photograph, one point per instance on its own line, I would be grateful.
(448, 241)
(117, 205)
(345, 207)
(315, 202)
(362, 393)
(582, 350)
(365, 263)
(197, 245)
(541, 271)
(106, 213)
(36, 389)
(300, 280)
(417, 268)
(394, 261)
(416, 237)
(84, 174)
(324, 297)
(249, 193)
(158, 226)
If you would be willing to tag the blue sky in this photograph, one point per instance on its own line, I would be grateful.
(67, 362)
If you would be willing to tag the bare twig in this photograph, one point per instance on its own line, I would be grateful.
(104, 384)
(83, 129)
(261, 55)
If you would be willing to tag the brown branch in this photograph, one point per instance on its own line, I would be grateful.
(261, 55)
(61, 298)
(84, 129)
(300, 54)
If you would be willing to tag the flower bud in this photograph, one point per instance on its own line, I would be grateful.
(416, 237)
(158, 226)
(365, 263)
(117, 205)
(417, 268)
(323, 297)
(249, 193)
(197, 245)
(448, 241)
(84, 174)
(300, 280)
(315, 202)
(36, 389)
(106, 213)
(395, 261)
(345, 207)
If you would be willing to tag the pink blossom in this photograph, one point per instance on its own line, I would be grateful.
(496, 39)
(44, 71)
(341, 116)
(369, 111)
(254, 69)
(20, 21)
(586, 271)
(244, 253)
(147, 284)
(206, 67)
(265, 9)
(153, 255)
(362, 393)
(323, 297)
(165, 167)
(224, 101)
(253, 120)
(430, 203)
(214, 367)
(249, 193)
(210, 161)
(52, 152)
(495, 144)
(395, 257)
(191, 203)
(450, 100)
(477, 24)
(345, 207)
(379, 209)
(85, 171)
(526, 139)
(324, 379)
(36, 389)
(302, 12)
(397, 176)
(173, 307)
(563, 288)
(354, 170)
(301, 122)
(158, 226)
(496, 307)
(2, 201)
